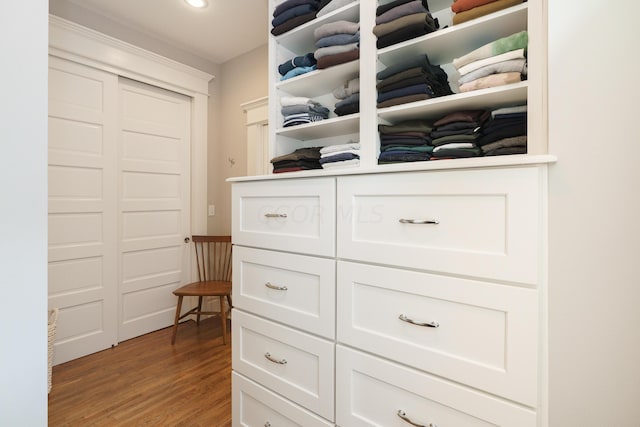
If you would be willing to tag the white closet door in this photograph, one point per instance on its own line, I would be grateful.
(154, 188)
(82, 218)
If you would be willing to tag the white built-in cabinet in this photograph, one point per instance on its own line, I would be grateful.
(394, 295)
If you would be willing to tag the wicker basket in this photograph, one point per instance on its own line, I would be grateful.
(53, 319)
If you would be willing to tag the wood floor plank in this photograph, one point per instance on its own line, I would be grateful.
(146, 381)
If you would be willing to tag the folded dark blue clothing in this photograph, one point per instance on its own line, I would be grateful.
(292, 13)
(497, 124)
(387, 7)
(406, 140)
(458, 153)
(293, 23)
(408, 90)
(306, 60)
(439, 78)
(284, 6)
(398, 157)
(407, 148)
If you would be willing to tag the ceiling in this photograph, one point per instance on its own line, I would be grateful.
(217, 33)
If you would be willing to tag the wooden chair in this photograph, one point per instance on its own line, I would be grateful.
(213, 256)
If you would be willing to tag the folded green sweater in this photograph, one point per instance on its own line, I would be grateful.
(497, 47)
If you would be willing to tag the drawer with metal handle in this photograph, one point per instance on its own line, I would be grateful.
(294, 364)
(296, 215)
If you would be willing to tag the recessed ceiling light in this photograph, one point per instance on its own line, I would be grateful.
(197, 3)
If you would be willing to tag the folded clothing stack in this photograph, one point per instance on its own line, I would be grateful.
(297, 110)
(337, 42)
(341, 155)
(349, 97)
(456, 134)
(301, 159)
(297, 65)
(293, 13)
(497, 63)
(402, 20)
(328, 6)
(414, 79)
(466, 10)
(505, 132)
(406, 141)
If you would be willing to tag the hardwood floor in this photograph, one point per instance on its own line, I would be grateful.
(148, 382)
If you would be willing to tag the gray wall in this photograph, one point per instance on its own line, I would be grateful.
(239, 80)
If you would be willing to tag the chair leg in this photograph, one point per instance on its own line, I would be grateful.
(223, 320)
(175, 323)
(199, 310)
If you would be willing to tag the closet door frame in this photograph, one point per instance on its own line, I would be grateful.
(74, 42)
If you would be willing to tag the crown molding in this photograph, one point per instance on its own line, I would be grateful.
(70, 40)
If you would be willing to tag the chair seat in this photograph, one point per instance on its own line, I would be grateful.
(208, 288)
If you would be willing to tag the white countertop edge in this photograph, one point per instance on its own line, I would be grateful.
(468, 163)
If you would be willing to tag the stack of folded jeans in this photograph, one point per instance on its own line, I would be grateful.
(301, 159)
(497, 63)
(337, 42)
(403, 20)
(297, 65)
(341, 155)
(456, 134)
(349, 98)
(505, 132)
(406, 141)
(414, 79)
(293, 13)
(297, 110)
(466, 10)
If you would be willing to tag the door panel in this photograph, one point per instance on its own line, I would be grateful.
(119, 187)
(154, 181)
(82, 196)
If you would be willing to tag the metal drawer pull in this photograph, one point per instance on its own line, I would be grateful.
(418, 221)
(267, 424)
(405, 418)
(414, 322)
(275, 215)
(274, 360)
(277, 288)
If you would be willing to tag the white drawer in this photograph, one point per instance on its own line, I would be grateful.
(294, 289)
(371, 391)
(295, 215)
(486, 334)
(488, 221)
(255, 406)
(296, 365)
